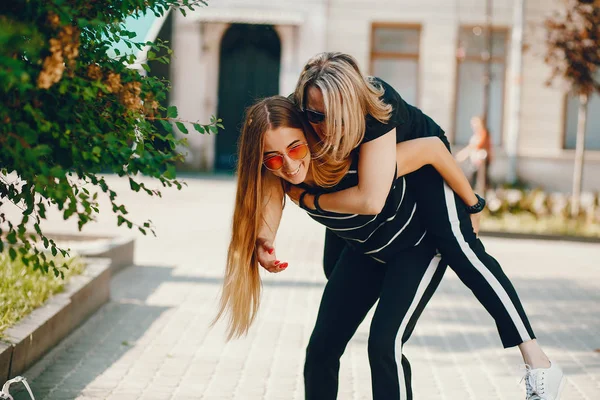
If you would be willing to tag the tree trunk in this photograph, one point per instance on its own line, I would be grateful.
(579, 152)
(514, 103)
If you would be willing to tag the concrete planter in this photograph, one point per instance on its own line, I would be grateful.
(31, 338)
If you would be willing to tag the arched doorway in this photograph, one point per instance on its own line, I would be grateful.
(248, 70)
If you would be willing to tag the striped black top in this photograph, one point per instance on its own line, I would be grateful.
(383, 235)
(397, 226)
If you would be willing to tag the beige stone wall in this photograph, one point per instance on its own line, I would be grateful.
(543, 161)
(308, 27)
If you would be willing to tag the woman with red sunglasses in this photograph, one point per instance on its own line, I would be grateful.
(352, 113)
(388, 258)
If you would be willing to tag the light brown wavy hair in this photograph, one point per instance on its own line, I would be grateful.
(240, 296)
(349, 97)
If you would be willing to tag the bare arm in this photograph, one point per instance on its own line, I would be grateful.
(272, 209)
(410, 156)
(376, 167)
(414, 154)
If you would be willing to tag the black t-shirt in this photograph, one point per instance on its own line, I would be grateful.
(397, 227)
(409, 121)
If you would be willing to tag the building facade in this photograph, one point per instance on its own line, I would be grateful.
(433, 52)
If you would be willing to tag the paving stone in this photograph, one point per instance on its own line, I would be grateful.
(154, 341)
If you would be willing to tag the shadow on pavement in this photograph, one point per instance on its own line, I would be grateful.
(107, 336)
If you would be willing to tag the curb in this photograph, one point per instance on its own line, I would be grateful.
(540, 236)
(119, 249)
(35, 335)
(41, 330)
(6, 351)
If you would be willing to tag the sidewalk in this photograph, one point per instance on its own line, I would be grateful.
(152, 341)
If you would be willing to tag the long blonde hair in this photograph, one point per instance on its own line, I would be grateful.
(240, 297)
(349, 97)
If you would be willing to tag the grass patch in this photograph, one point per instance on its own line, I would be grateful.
(547, 225)
(22, 289)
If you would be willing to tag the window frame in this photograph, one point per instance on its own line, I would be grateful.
(497, 59)
(565, 114)
(392, 55)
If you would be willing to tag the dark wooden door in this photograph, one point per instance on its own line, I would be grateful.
(248, 70)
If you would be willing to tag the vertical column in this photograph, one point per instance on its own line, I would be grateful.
(290, 65)
(312, 38)
(212, 34)
(186, 78)
(437, 75)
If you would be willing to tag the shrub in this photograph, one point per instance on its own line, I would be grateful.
(69, 112)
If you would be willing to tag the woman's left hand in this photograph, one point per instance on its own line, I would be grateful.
(475, 218)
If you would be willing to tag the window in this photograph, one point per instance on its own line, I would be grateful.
(395, 57)
(592, 131)
(471, 56)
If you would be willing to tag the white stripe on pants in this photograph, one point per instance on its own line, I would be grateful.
(425, 281)
(480, 266)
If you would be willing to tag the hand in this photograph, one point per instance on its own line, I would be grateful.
(266, 257)
(475, 218)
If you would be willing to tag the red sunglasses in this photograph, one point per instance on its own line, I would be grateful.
(275, 162)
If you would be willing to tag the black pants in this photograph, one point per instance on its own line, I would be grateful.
(403, 287)
(449, 228)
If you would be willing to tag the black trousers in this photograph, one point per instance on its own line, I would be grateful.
(355, 283)
(449, 228)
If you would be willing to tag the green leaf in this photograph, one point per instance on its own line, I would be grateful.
(172, 112)
(181, 127)
(13, 253)
(213, 129)
(134, 185)
(146, 67)
(170, 173)
(12, 237)
(166, 125)
(199, 128)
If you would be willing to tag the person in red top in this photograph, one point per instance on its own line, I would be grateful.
(479, 153)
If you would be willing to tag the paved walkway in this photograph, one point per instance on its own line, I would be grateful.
(153, 341)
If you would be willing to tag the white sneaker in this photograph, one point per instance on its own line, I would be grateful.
(544, 383)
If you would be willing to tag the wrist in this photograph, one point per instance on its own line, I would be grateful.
(309, 201)
(316, 203)
(477, 207)
(306, 201)
(472, 200)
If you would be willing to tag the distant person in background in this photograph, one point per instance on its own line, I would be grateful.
(479, 154)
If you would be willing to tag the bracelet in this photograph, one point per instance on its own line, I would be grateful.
(301, 200)
(316, 201)
(477, 207)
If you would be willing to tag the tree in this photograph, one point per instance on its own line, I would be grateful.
(69, 112)
(573, 40)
